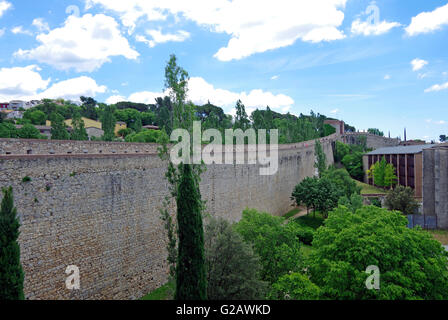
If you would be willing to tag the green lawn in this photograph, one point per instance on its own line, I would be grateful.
(368, 189)
(163, 293)
(291, 213)
(313, 220)
(306, 250)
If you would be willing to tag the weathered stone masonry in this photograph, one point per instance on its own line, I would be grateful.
(100, 212)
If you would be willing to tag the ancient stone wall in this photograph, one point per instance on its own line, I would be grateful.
(372, 141)
(100, 212)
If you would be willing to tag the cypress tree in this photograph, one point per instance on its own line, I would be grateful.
(11, 273)
(191, 283)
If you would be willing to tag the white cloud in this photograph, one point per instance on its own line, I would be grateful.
(27, 84)
(335, 111)
(2, 32)
(74, 88)
(274, 77)
(439, 122)
(17, 83)
(368, 29)
(41, 25)
(83, 43)
(387, 77)
(4, 5)
(159, 37)
(200, 92)
(254, 26)
(428, 21)
(115, 99)
(438, 87)
(418, 64)
(422, 75)
(20, 30)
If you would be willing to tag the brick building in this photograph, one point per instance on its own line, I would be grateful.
(408, 162)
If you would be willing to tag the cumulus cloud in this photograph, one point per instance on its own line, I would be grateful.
(4, 5)
(368, 29)
(83, 43)
(41, 25)
(20, 82)
(437, 87)
(426, 22)
(254, 26)
(200, 92)
(418, 64)
(387, 77)
(72, 89)
(159, 37)
(20, 30)
(27, 84)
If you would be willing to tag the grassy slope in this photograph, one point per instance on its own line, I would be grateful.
(368, 189)
(163, 293)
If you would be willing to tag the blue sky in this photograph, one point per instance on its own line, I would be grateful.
(373, 64)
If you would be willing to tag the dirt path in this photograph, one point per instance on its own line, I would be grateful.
(301, 213)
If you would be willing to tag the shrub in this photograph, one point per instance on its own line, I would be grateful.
(233, 269)
(413, 265)
(402, 199)
(275, 242)
(26, 179)
(294, 286)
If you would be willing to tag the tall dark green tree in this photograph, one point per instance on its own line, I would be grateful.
(108, 122)
(58, 127)
(321, 159)
(11, 273)
(241, 119)
(191, 281)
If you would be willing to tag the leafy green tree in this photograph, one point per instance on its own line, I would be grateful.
(108, 122)
(191, 281)
(341, 150)
(36, 117)
(412, 264)
(11, 273)
(402, 199)
(146, 136)
(353, 163)
(8, 130)
(321, 159)
(275, 242)
(329, 130)
(79, 131)
(304, 193)
(233, 269)
(376, 131)
(29, 131)
(343, 182)
(443, 138)
(383, 174)
(354, 202)
(58, 127)
(294, 286)
(89, 108)
(241, 119)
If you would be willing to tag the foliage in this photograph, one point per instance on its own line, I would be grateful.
(275, 242)
(36, 117)
(383, 174)
(314, 222)
(329, 130)
(165, 292)
(321, 159)
(191, 282)
(8, 130)
(125, 132)
(294, 286)
(402, 199)
(29, 131)
(353, 163)
(89, 108)
(443, 138)
(412, 264)
(341, 150)
(233, 269)
(146, 136)
(305, 234)
(11, 273)
(58, 127)
(108, 122)
(141, 107)
(79, 131)
(241, 119)
(343, 182)
(376, 131)
(320, 194)
(353, 203)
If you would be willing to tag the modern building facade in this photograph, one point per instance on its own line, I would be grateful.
(435, 183)
(408, 162)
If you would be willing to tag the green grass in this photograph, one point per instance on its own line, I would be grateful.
(368, 189)
(311, 221)
(291, 213)
(306, 250)
(163, 293)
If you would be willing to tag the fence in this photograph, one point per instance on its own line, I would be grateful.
(426, 222)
